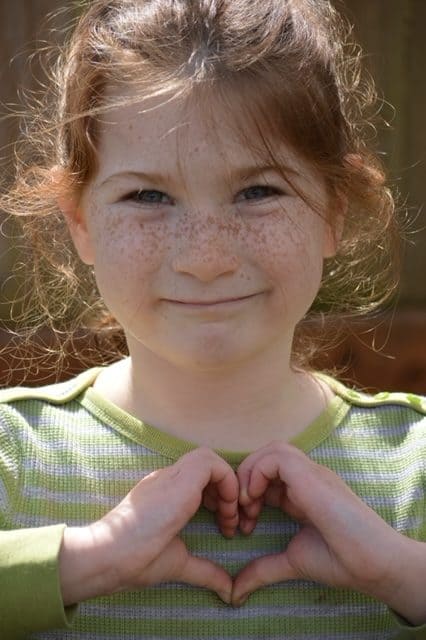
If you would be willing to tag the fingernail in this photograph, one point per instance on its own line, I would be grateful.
(244, 496)
(246, 527)
(241, 600)
(225, 596)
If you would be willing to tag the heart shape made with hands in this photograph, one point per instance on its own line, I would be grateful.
(342, 542)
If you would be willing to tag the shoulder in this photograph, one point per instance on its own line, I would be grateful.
(379, 449)
(22, 408)
(385, 399)
(395, 419)
(59, 393)
(31, 418)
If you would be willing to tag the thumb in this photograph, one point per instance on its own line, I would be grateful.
(259, 573)
(200, 572)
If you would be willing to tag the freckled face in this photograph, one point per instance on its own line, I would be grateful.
(206, 258)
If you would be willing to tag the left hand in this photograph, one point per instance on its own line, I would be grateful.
(341, 543)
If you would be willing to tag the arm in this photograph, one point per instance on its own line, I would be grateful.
(137, 543)
(407, 595)
(29, 581)
(342, 542)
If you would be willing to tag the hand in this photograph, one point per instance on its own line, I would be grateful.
(341, 542)
(137, 544)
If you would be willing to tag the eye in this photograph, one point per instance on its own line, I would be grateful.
(259, 192)
(149, 196)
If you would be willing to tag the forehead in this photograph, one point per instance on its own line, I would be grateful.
(171, 128)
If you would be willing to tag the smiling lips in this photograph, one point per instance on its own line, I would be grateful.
(209, 303)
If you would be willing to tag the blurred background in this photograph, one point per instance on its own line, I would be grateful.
(387, 352)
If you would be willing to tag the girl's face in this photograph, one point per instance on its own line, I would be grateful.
(205, 255)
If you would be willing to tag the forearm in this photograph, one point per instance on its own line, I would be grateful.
(85, 567)
(408, 596)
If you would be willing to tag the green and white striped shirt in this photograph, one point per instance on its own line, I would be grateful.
(67, 456)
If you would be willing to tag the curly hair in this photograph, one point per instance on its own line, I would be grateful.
(292, 67)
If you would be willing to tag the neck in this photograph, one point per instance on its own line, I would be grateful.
(221, 409)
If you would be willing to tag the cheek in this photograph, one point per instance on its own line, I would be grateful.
(126, 253)
(290, 249)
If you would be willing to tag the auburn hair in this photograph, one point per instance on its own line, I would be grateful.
(291, 69)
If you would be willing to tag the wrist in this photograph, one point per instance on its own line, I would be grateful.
(406, 591)
(85, 566)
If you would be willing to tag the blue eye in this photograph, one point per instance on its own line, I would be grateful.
(258, 192)
(149, 196)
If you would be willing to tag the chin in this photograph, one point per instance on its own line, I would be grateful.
(213, 355)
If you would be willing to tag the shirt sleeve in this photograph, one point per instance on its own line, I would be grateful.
(30, 591)
(29, 581)
(407, 631)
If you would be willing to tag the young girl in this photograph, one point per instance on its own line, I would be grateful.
(209, 160)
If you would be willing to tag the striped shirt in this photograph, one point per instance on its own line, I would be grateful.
(67, 456)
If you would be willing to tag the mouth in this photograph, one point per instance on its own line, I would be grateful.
(193, 302)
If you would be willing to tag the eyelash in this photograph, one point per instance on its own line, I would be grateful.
(135, 196)
(272, 191)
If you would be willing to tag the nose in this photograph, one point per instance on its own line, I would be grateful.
(207, 251)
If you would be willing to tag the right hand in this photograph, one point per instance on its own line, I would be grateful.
(137, 543)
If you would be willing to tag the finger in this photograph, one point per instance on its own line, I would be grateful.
(223, 491)
(253, 509)
(274, 494)
(210, 498)
(259, 573)
(200, 572)
(227, 513)
(212, 501)
(203, 467)
(216, 471)
(243, 475)
(227, 524)
(219, 486)
(286, 464)
(317, 495)
(247, 525)
(249, 516)
(246, 467)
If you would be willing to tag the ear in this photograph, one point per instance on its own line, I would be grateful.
(75, 219)
(71, 207)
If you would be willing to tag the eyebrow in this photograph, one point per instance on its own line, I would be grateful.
(241, 173)
(141, 175)
(245, 173)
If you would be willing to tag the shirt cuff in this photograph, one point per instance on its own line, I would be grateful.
(406, 630)
(31, 597)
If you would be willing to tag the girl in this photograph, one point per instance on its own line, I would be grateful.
(209, 160)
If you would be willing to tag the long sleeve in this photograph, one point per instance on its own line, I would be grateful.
(29, 580)
(29, 583)
(407, 632)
